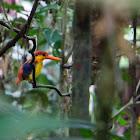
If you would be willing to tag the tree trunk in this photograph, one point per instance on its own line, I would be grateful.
(103, 46)
(81, 62)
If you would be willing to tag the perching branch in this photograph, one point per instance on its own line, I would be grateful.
(52, 87)
(24, 29)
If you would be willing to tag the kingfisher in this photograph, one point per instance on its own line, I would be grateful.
(25, 71)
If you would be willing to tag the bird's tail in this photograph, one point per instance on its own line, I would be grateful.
(18, 81)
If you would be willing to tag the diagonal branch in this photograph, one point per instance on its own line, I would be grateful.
(24, 29)
(16, 30)
(130, 103)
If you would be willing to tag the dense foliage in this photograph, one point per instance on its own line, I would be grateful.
(99, 46)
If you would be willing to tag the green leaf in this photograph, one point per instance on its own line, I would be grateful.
(12, 121)
(52, 36)
(34, 95)
(33, 32)
(128, 134)
(41, 9)
(42, 79)
(19, 20)
(28, 104)
(126, 76)
(57, 49)
(67, 138)
(44, 99)
(86, 133)
(13, 34)
(116, 118)
(56, 36)
(122, 121)
(13, 7)
(48, 35)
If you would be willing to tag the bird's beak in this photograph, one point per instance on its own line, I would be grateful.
(53, 58)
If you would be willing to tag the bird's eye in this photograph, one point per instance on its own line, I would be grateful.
(43, 54)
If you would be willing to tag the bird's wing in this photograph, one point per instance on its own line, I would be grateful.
(27, 69)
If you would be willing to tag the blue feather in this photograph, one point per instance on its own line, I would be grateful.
(27, 69)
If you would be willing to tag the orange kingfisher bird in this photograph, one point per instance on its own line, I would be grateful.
(25, 71)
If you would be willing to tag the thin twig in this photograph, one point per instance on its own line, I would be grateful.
(138, 86)
(52, 87)
(6, 15)
(128, 104)
(123, 108)
(138, 97)
(12, 42)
